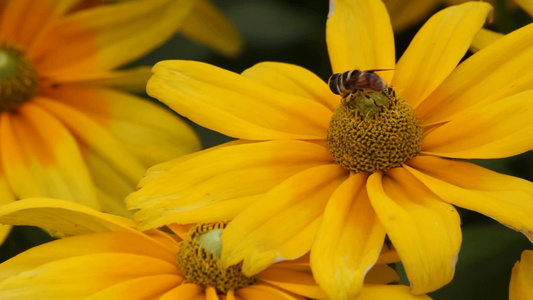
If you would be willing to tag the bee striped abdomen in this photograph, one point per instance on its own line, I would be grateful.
(350, 81)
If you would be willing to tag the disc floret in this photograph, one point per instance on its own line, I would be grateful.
(18, 78)
(199, 260)
(373, 131)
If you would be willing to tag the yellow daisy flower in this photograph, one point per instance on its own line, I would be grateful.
(521, 287)
(108, 258)
(66, 129)
(316, 171)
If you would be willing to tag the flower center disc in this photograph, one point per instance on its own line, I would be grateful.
(373, 131)
(18, 78)
(199, 260)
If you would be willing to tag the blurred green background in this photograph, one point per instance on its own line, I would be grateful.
(294, 32)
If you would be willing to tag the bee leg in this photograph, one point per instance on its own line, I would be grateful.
(346, 98)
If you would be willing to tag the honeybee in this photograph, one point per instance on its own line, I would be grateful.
(350, 81)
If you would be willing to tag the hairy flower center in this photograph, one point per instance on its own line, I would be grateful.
(373, 131)
(199, 260)
(18, 78)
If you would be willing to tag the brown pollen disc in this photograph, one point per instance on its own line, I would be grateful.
(18, 78)
(199, 260)
(373, 131)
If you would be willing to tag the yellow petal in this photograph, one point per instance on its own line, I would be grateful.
(81, 276)
(235, 105)
(359, 36)
(132, 243)
(527, 5)
(114, 169)
(206, 24)
(502, 69)
(405, 14)
(300, 282)
(264, 292)
(348, 242)
(294, 80)
(484, 38)
(61, 218)
(132, 80)
(396, 292)
(186, 291)
(507, 199)
(283, 223)
(149, 287)
(498, 129)
(23, 21)
(156, 170)
(220, 183)
(131, 120)
(424, 230)
(381, 274)
(521, 287)
(436, 50)
(107, 36)
(6, 196)
(41, 158)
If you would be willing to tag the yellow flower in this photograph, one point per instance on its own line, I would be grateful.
(66, 128)
(108, 258)
(521, 287)
(297, 180)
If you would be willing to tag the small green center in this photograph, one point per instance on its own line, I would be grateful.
(373, 131)
(199, 260)
(18, 78)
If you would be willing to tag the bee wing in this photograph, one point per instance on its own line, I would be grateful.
(377, 70)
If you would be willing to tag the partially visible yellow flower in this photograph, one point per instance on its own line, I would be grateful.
(521, 287)
(67, 128)
(336, 175)
(206, 24)
(107, 258)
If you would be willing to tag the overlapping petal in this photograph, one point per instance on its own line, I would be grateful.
(98, 36)
(499, 129)
(88, 270)
(502, 69)
(283, 223)
(130, 120)
(94, 138)
(146, 287)
(206, 24)
(294, 80)
(61, 218)
(132, 80)
(484, 38)
(185, 291)
(436, 50)
(25, 20)
(359, 36)
(507, 199)
(221, 182)
(40, 157)
(235, 105)
(348, 243)
(521, 286)
(424, 230)
(396, 292)
(291, 279)
(6, 196)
